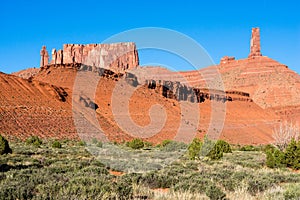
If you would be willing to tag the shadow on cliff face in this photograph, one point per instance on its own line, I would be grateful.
(87, 102)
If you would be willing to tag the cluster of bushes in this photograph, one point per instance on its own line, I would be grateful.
(135, 143)
(208, 148)
(56, 144)
(51, 176)
(179, 178)
(34, 140)
(138, 143)
(289, 157)
(171, 146)
(249, 148)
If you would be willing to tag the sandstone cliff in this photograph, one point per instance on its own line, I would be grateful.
(117, 56)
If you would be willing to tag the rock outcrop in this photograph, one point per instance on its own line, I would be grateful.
(255, 43)
(27, 73)
(227, 59)
(117, 56)
(44, 57)
(181, 92)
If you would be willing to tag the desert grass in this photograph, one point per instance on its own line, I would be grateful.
(73, 172)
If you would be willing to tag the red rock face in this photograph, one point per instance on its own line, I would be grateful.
(44, 57)
(255, 43)
(226, 59)
(117, 57)
(27, 73)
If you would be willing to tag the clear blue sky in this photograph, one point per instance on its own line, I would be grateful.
(221, 27)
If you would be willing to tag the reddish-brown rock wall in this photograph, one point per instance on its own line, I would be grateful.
(117, 56)
(255, 43)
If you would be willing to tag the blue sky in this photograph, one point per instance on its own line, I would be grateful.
(221, 27)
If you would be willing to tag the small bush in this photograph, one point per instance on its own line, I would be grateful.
(194, 149)
(155, 180)
(193, 183)
(211, 149)
(34, 140)
(82, 143)
(292, 192)
(275, 158)
(259, 184)
(267, 147)
(214, 149)
(249, 148)
(171, 146)
(292, 155)
(136, 143)
(165, 143)
(215, 152)
(4, 146)
(56, 144)
(214, 193)
(226, 148)
(97, 142)
(148, 144)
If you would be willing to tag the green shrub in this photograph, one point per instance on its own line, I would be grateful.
(226, 148)
(215, 152)
(165, 143)
(148, 144)
(292, 192)
(34, 140)
(123, 190)
(194, 183)
(171, 146)
(214, 149)
(136, 143)
(155, 180)
(97, 142)
(214, 193)
(56, 144)
(194, 149)
(275, 158)
(209, 148)
(259, 184)
(82, 143)
(249, 148)
(4, 146)
(267, 147)
(292, 155)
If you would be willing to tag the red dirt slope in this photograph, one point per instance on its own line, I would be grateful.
(34, 108)
(245, 121)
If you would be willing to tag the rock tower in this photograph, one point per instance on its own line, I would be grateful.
(44, 57)
(255, 43)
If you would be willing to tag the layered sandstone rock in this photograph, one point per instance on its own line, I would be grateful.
(226, 59)
(44, 57)
(27, 73)
(269, 83)
(181, 92)
(118, 56)
(255, 43)
(246, 123)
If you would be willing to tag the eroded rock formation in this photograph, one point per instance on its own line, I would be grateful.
(117, 56)
(227, 59)
(44, 57)
(255, 43)
(181, 92)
